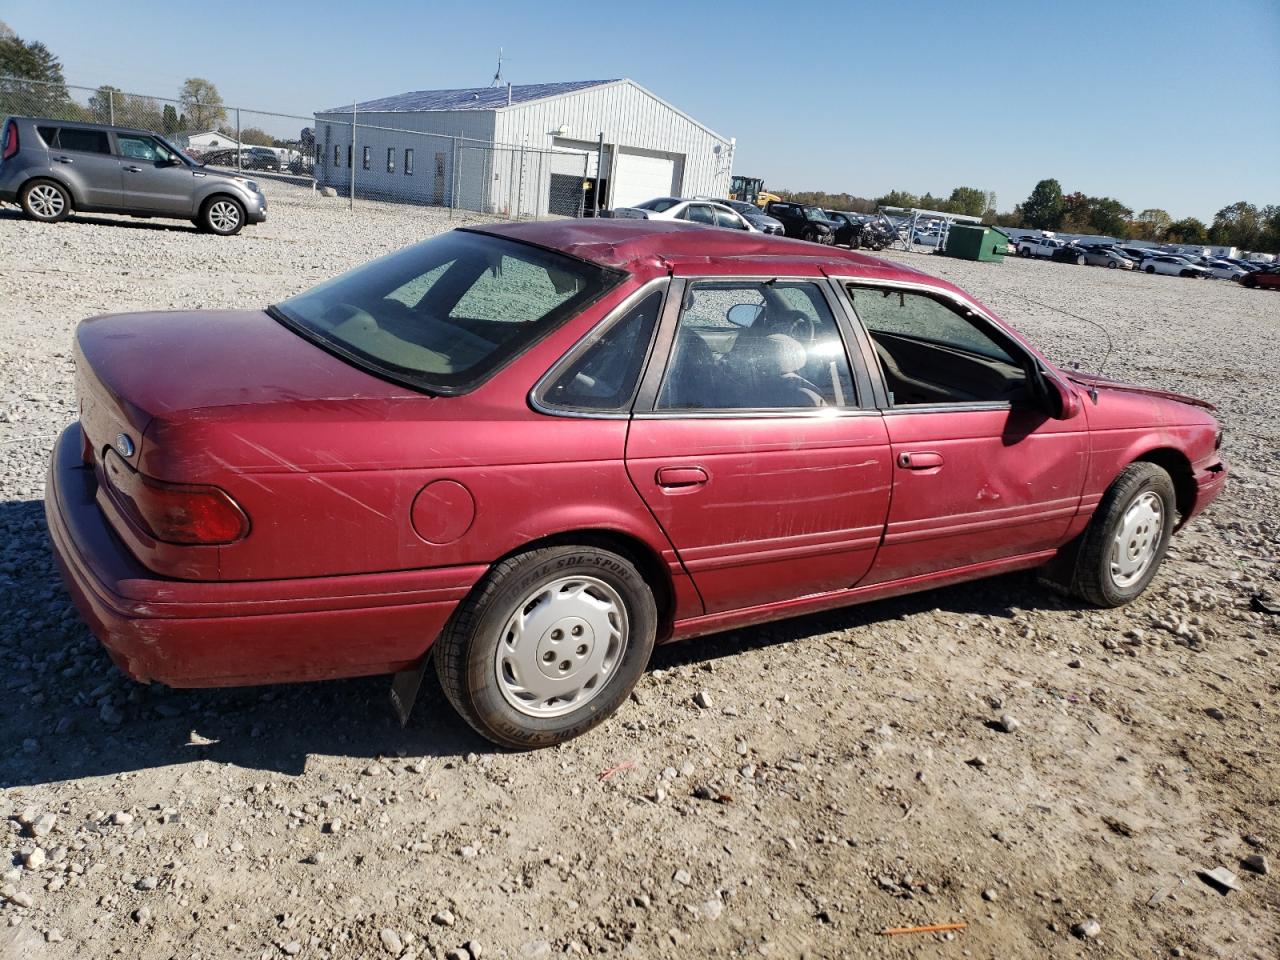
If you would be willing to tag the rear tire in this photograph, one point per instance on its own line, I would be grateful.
(222, 215)
(46, 201)
(1121, 550)
(592, 621)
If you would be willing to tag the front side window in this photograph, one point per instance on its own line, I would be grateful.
(141, 148)
(85, 141)
(749, 345)
(935, 351)
(724, 218)
(604, 373)
(445, 313)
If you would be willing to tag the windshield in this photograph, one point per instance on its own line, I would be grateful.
(814, 213)
(659, 205)
(445, 313)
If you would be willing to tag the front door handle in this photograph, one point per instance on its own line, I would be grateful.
(681, 476)
(920, 461)
(64, 159)
(133, 169)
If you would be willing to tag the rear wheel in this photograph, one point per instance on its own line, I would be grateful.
(45, 200)
(222, 215)
(548, 645)
(1125, 542)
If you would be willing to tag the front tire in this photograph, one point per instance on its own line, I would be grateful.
(1111, 265)
(45, 200)
(1122, 548)
(222, 215)
(1151, 269)
(548, 645)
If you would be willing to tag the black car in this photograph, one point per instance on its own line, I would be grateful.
(802, 221)
(848, 228)
(1069, 253)
(261, 158)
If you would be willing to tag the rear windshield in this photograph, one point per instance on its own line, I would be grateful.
(445, 313)
(660, 205)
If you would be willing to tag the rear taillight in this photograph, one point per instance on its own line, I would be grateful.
(10, 141)
(174, 512)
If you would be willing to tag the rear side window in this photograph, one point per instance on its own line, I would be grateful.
(49, 135)
(85, 141)
(604, 374)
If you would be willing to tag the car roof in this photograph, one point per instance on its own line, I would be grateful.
(87, 125)
(696, 249)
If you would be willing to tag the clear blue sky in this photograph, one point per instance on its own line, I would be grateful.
(1163, 103)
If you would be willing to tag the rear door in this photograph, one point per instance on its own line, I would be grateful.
(83, 157)
(152, 178)
(753, 443)
(980, 471)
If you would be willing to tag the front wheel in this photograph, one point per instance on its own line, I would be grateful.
(1111, 265)
(1151, 269)
(45, 200)
(1080, 261)
(223, 216)
(1125, 542)
(548, 645)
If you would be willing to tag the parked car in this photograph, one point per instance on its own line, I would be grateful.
(1038, 246)
(752, 214)
(1069, 253)
(707, 212)
(802, 221)
(52, 167)
(1268, 278)
(534, 450)
(262, 158)
(1103, 255)
(1172, 266)
(1223, 269)
(848, 228)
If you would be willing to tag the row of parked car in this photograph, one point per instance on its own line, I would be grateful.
(800, 221)
(1147, 259)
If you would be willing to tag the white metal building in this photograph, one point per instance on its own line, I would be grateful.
(524, 146)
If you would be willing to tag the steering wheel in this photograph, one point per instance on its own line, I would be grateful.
(803, 328)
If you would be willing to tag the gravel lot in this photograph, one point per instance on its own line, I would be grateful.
(848, 773)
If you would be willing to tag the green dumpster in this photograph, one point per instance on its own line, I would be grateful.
(973, 242)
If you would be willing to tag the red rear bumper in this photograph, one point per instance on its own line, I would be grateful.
(200, 634)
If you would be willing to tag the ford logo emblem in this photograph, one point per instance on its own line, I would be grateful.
(124, 445)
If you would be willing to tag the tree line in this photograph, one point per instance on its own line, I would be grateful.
(41, 89)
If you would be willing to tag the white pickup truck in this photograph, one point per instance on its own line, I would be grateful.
(1038, 246)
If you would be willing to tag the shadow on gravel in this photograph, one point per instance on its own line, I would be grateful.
(70, 713)
(10, 213)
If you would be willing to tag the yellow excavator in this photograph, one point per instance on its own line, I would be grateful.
(750, 189)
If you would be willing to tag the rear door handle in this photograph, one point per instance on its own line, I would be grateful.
(64, 159)
(681, 476)
(920, 461)
(133, 169)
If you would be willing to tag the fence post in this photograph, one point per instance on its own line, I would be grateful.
(111, 106)
(351, 159)
(595, 198)
(239, 145)
(453, 176)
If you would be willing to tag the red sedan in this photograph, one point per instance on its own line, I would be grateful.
(1268, 278)
(535, 450)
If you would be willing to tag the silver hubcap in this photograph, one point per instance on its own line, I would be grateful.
(224, 215)
(45, 201)
(561, 646)
(1137, 539)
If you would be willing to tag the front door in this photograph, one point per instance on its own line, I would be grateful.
(153, 178)
(754, 446)
(980, 471)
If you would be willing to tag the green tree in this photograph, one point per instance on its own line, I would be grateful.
(1075, 216)
(104, 102)
(1152, 224)
(1043, 209)
(1189, 230)
(968, 200)
(1109, 216)
(46, 90)
(169, 120)
(1270, 240)
(898, 198)
(1238, 225)
(256, 137)
(201, 103)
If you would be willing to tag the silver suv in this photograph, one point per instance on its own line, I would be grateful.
(51, 167)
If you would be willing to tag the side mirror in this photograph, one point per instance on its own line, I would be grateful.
(1063, 400)
(171, 162)
(744, 314)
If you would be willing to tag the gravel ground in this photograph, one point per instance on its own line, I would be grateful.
(839, 774)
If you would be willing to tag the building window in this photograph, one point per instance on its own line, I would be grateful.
(391, 159)
(349, 154)
(337, 157)
(368, 157)
(408, 162)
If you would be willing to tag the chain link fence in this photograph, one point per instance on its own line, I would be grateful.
(356, 160)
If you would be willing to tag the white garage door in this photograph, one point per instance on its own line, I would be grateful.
(640, 177)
